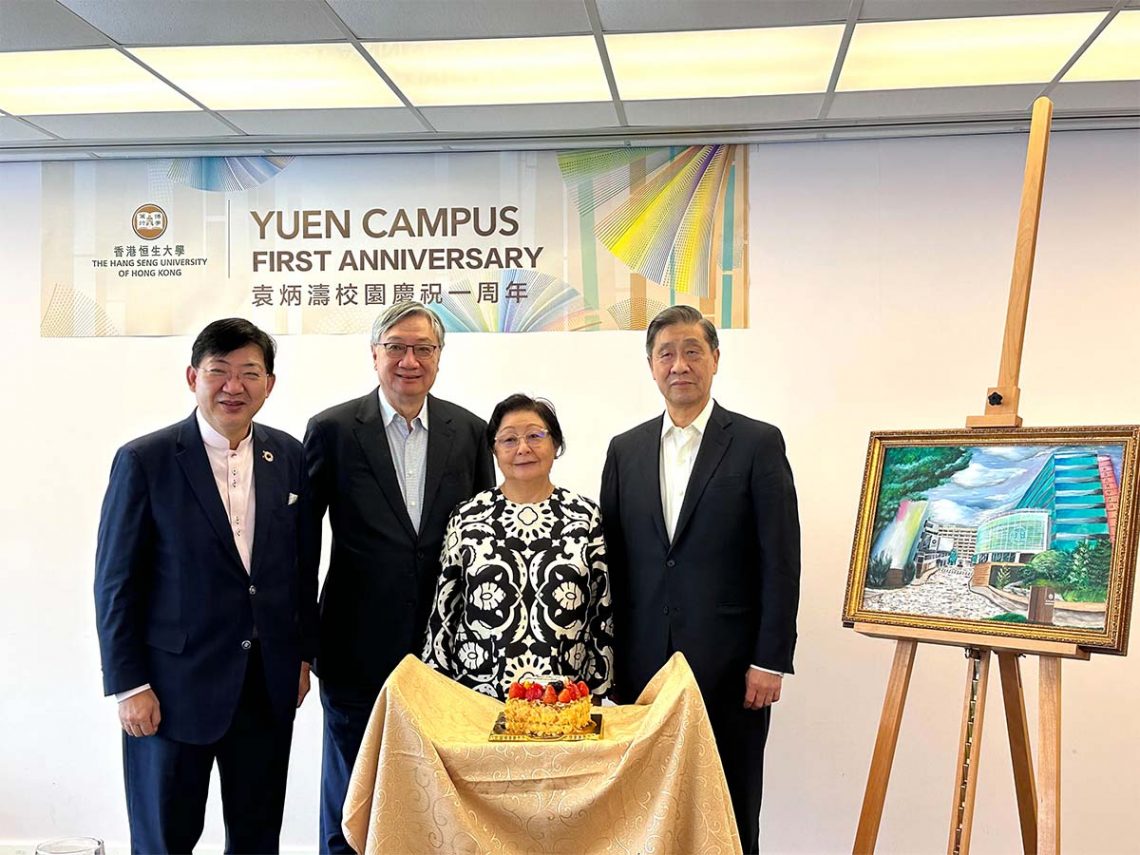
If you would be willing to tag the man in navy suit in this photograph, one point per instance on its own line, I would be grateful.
(703, 543)
(389, 468)
(206, 616)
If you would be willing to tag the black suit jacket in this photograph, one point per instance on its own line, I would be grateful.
(381, 577)
(174, 605)
(725, 591)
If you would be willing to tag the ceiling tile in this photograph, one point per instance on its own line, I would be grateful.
(13, 130)
(310, 123)
(757, 110)
(662, 15)
(950, 101)
(522, 118)
(134, 126)
(43, 25)
(903, 10)
(1115, 95)
(399, 20)
(208, 22)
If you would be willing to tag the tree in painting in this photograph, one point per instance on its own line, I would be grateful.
(909, 471)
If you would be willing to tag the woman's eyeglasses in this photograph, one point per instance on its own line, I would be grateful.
(532, 438)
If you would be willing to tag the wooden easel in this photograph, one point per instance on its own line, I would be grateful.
(1038, 803)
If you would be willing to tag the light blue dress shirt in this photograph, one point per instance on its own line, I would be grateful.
(409, 454)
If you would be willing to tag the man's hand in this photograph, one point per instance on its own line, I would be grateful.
(761, 688)
(303, 685)
(139, 714)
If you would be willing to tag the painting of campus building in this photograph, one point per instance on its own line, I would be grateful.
(1026, 533)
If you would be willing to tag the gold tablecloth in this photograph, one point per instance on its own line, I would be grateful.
(428, 780)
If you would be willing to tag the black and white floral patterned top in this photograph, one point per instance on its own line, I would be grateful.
(523, 593)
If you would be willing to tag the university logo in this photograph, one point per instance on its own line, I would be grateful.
(149, 222)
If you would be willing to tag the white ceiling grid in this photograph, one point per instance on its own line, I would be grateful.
(150, 77)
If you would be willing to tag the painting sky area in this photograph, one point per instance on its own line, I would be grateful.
(997, 477)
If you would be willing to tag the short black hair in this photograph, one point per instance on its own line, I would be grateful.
(680, 314)
(230, 334)
(520, 403)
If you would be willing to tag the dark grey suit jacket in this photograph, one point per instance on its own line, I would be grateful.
(381, 577)
(726, 589)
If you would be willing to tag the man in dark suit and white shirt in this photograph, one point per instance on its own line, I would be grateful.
(389, 468)
(206, 619)
(702, 538)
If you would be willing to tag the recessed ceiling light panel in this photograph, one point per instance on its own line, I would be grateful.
(963, 51)
(272, 77)
(1115, 55)
(723, 63)
(64, 82)
(465, 72)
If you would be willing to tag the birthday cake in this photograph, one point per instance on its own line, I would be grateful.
(558, 708)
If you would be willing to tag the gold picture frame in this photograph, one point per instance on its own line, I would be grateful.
(1026, 533)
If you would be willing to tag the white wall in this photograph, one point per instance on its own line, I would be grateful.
(880, 273)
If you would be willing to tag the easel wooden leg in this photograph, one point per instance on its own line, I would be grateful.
(884, 754)
(1049, 758)
(969, 750)
(1020, 751)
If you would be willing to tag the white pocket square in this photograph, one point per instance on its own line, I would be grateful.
(292, 498)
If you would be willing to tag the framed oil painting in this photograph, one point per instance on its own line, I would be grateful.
(1025, 533)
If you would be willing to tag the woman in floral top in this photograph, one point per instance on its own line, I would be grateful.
(523, 591)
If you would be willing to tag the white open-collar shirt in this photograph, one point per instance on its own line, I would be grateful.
(679, 447)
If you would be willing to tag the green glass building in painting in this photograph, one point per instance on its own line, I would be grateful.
(1073, 498)
(1012, 537)
(1072, 487)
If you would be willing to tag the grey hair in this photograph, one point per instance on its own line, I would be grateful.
(402, 311)
(679, 315)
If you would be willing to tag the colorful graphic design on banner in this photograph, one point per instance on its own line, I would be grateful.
(501, 242)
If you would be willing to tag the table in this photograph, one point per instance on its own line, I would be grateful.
(428, 780)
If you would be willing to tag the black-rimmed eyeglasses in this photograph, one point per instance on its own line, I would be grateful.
(396, 350)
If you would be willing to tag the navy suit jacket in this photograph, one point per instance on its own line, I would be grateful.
(382, 573)
(726, 589)
(174, 604)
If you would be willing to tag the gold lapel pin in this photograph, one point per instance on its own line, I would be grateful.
(267, 456)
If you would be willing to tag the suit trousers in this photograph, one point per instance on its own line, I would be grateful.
(347, 710)
(167, 781)
(740, 738)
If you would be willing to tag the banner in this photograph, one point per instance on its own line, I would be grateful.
(498, 242)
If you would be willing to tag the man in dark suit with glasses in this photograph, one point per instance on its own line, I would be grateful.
(205, 613)
(388, 468)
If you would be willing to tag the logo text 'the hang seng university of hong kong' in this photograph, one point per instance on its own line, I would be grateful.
(149, 222)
